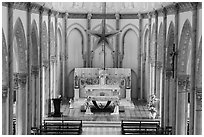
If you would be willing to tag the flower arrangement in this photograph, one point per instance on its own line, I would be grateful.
(151, 105)
(87, 102)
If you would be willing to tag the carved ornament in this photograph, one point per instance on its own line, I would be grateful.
(34, 70)
(4, 91)
(183, 82)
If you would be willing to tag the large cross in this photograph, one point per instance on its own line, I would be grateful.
(103, 36)
(173, 56)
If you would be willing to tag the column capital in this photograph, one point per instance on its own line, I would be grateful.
(183, 81)
(53, 59)
(164, 11)
(4, 91)
(66, 15)
(89, 15)
(139, 15)
(149, 14)
(155, 13)
(34, 70)
(159, 64)
(10, 4)
(29, 6)
(199, 98)
(41, 10)
(50, 12)
(56, 13)
(45, 63)
(169, 73)
(22, 77)
(19, 79)
(117, 16)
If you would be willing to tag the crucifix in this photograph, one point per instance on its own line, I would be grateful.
(103, 36)
(173, 56)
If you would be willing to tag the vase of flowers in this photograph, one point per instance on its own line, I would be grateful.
(152, 106)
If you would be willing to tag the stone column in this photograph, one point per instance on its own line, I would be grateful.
(198, 112)
(167, 98)
(21, 121)
(149, 44)
(50, 87)
(65, 52)
(182, 102)
(88, 53)
(5, 109)
(10, 66)
(117, 16)
(40, 62)
(193, 68)
(140, 58)
(155, 46)
(164, 92)
(34, 75)
(29, 93)
(159, 68)
(175, 93)
(57, 47)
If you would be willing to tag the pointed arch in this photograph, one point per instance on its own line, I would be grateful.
(34, 43)
(52, 40)
(81, 30)
(152, 46)
(170, 43)
(44, 42)
(199, 65)
(19, 34)
(4, 60)
(183, 53)
(160, 44)
(125, 29)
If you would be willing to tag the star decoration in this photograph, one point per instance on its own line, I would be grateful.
(102, 36)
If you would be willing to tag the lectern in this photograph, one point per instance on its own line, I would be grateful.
(57, 102)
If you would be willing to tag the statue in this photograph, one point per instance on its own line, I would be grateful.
(71, 102)
(128, 82)
(116, 109)
(87, 105)
(102, 77)
(76, 82)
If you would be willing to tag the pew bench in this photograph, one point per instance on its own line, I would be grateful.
(61, 127)
(139, 127)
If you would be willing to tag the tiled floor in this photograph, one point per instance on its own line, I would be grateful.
(137, 111)
(101, 131)
(134, 110)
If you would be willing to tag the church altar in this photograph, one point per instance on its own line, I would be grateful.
(102, 83)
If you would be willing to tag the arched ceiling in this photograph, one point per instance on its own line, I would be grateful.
(112, 7)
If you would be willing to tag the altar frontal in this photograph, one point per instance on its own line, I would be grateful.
(101, 86)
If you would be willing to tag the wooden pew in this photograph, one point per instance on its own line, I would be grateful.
(61, 127)
(139, 127)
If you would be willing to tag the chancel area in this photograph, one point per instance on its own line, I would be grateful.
(101, 68)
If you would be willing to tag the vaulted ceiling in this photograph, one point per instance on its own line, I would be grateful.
(112, 7)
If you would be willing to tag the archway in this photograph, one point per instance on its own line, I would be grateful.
(5, 103)
(35, 75)
(198, 104)
(58, 90)
(145, 62)
(20, 77)
(169, 83)
(152, 60)
(130, 60)
(45, 72)
(184, 61)
(75, 58)
(52, 70)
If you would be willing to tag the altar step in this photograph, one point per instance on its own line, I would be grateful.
(116, 124)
